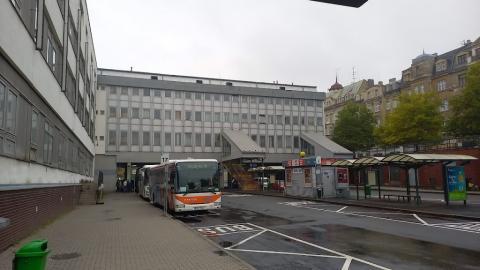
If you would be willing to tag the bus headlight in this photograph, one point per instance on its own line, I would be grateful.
(180, 205)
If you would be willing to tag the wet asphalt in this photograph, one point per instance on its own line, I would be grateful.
(279, 233)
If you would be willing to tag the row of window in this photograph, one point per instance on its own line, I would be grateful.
(189, 139)
(26, 134)
(208, 97)
(215, 117)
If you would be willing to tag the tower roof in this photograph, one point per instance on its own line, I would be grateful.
(336, 85)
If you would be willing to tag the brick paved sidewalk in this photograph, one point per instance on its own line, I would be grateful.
(125, 233)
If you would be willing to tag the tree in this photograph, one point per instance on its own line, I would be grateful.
(465, 108)
(416, 120)
(354, 127)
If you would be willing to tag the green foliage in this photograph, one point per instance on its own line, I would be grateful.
(354, 127)
(465, 108)
(416, 120)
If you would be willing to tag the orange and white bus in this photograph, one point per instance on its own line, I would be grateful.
(186, 185)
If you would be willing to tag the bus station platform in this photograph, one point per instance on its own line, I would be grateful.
(125, 233)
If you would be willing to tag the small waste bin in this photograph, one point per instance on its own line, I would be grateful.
(32, 256)
(319, 193)
(368, 191)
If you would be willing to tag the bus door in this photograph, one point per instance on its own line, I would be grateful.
(171, 187)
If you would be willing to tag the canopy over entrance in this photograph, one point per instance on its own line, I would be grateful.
(413, 159)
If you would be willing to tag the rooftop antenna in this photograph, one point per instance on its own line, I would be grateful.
(131, 69)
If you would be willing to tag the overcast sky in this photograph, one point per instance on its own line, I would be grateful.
(295, 41)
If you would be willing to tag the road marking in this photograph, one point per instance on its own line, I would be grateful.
(347, 263)
(246, 239)
(340, 210)
(473, 227)
(320, 247)
(287, 253)
(225, 229)
(237, 195)
(419, 219)
(384, 218)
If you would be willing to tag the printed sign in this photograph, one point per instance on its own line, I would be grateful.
(457, 188)
(342, 177)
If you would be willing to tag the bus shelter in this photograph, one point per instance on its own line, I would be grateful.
(359, 166)
(454, 182)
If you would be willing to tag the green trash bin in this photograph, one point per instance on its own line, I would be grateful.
(368, 191)
(32, 256)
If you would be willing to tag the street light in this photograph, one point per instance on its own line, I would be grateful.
(349, 3)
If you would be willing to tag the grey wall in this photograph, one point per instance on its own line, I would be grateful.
(108, 165)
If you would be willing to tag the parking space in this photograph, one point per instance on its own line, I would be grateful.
(267, 248)
(395, 216)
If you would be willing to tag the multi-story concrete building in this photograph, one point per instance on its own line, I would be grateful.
(47, 95)
(143, 117)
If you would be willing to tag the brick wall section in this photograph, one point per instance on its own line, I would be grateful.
(30, 209)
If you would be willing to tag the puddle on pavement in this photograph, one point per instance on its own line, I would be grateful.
(220, 253)
(398, 252)
(65, 256)
(225, 244)
(231, 215)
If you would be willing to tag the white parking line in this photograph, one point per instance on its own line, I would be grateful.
(287, 253)
(340, 210)
(419, 219)
(246, 239)
(347, 263)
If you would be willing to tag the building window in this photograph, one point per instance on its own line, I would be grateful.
(441, 66)
(135, 138)
(123, 112)
(112, 137)
(271, 141)
(254, 137)
(135, 92)
(188, 95)
(287, 120)
(295, 120)
(28, 11)
(188, 116)
(168, 94)
(198, 96)
(253, 100)
(308, 176)
(11, 115)
(296, 142)
(48, 144)
(146, 113)
(168, 139)
(188, 139)
(261, 100)
(462, 59)
(226, 117)
(198, 139)
(319, 121)
(208, 97)
(113, 112)
(146, 138)
(168, 115)
(157, 114)
(157, 138)
(444, 106)
(135, 113)
(178, 139)
(288, 141)
(461, 80)
(216, 97)
(271, 119)
(226, 98)
(244, 99)
(236, 118)
(311, 120)
(123, 137)
(178, 115)
(253, 118)
(157, 93)
(208, 116)
(124, 91)
(218, 140)
(178, 94)
(295, 102)
(102, 138)
(279, 141)
(441, 85)
(262, 141)
(217, 117)
(279, 119)
(34, 132)
(244, 117)
(235, 99)
(208, 139)
(310, 103)
(102, 112)
(198, 116)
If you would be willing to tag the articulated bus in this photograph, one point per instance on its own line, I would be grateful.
(186, 185)
(144, 181)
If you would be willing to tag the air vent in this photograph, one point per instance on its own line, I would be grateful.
(199, 81)
(282, 87)
(154, 77)
(229, 83)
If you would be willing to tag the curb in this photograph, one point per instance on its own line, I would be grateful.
(211, 242)
(412, 211)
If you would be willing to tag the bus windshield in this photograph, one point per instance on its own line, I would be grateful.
(197, 177)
